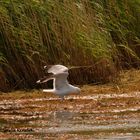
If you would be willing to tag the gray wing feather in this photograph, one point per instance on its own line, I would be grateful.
(46, 78)
(61, 80)
(57, 72)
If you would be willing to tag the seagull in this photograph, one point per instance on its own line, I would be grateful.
(61, 86)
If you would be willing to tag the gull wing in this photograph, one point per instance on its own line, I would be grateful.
(46, 78)
(60, 80)
(57, 72)
(55, 69)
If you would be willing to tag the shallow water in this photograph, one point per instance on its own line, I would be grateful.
(98, 116)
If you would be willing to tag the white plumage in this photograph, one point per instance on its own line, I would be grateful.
(61, 86)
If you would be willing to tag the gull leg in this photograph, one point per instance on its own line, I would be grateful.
(62, 98)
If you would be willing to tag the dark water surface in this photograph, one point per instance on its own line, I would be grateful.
(104, 117)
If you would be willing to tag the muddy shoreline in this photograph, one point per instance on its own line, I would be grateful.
(109, 111)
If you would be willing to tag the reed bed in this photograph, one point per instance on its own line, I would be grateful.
(102, 36)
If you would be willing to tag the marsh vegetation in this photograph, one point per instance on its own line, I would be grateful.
(101, 34)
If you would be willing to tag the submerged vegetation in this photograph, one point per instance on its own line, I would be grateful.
(103, 36)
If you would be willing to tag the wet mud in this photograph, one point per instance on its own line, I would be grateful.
(110, 112)
(35, 115)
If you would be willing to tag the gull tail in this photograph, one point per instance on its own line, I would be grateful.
(49, 90)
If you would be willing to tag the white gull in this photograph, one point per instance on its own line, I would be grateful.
(61, 86)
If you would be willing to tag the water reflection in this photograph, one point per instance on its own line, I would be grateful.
(83, 117)
(64, 115)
